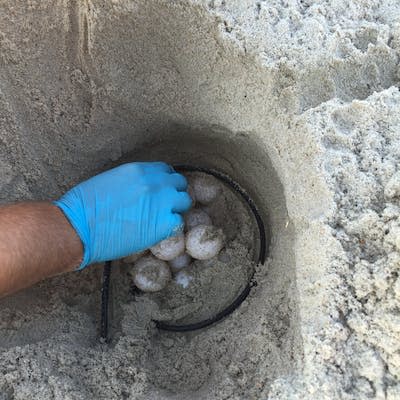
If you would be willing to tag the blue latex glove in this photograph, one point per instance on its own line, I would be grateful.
(126, 209)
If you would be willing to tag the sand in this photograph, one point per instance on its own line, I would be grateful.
(299, 102)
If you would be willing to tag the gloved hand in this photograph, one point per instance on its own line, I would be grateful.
(126, 209)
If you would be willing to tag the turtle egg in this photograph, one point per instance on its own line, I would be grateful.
(180, 262)
(133, 257)
(206, 189)
(196, 217)
(151, 274)
(170, 248)
(183, 279)
(204, 242)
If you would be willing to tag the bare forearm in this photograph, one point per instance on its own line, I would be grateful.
(36, 242)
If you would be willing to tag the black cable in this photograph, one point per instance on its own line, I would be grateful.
(202, 324)
(105, 294)
(237, 188)
(261, 256)
(236, 303)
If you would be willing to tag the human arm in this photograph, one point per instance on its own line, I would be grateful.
(114, 214)
(36, 242)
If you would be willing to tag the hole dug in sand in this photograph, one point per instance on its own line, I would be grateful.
(257, 342)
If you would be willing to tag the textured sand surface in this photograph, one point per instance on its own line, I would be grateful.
(298, 101)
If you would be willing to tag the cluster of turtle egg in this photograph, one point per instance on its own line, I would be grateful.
(201, 240)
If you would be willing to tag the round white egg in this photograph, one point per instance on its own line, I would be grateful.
(195, 217)
(170, 248)
(180, 262)
(206, 189)
(183, 279)
(151, 274)
(204, 242)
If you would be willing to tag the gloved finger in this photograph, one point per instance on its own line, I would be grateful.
(162, 180)
(177, 225)
(171, 225)
(178, 181)
(156, 166)
(181, 202)
(165, 180)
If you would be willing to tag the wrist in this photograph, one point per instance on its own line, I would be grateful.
(72, 246)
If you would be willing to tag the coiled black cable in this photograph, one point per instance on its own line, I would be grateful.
(105, 294)
(236, 303)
